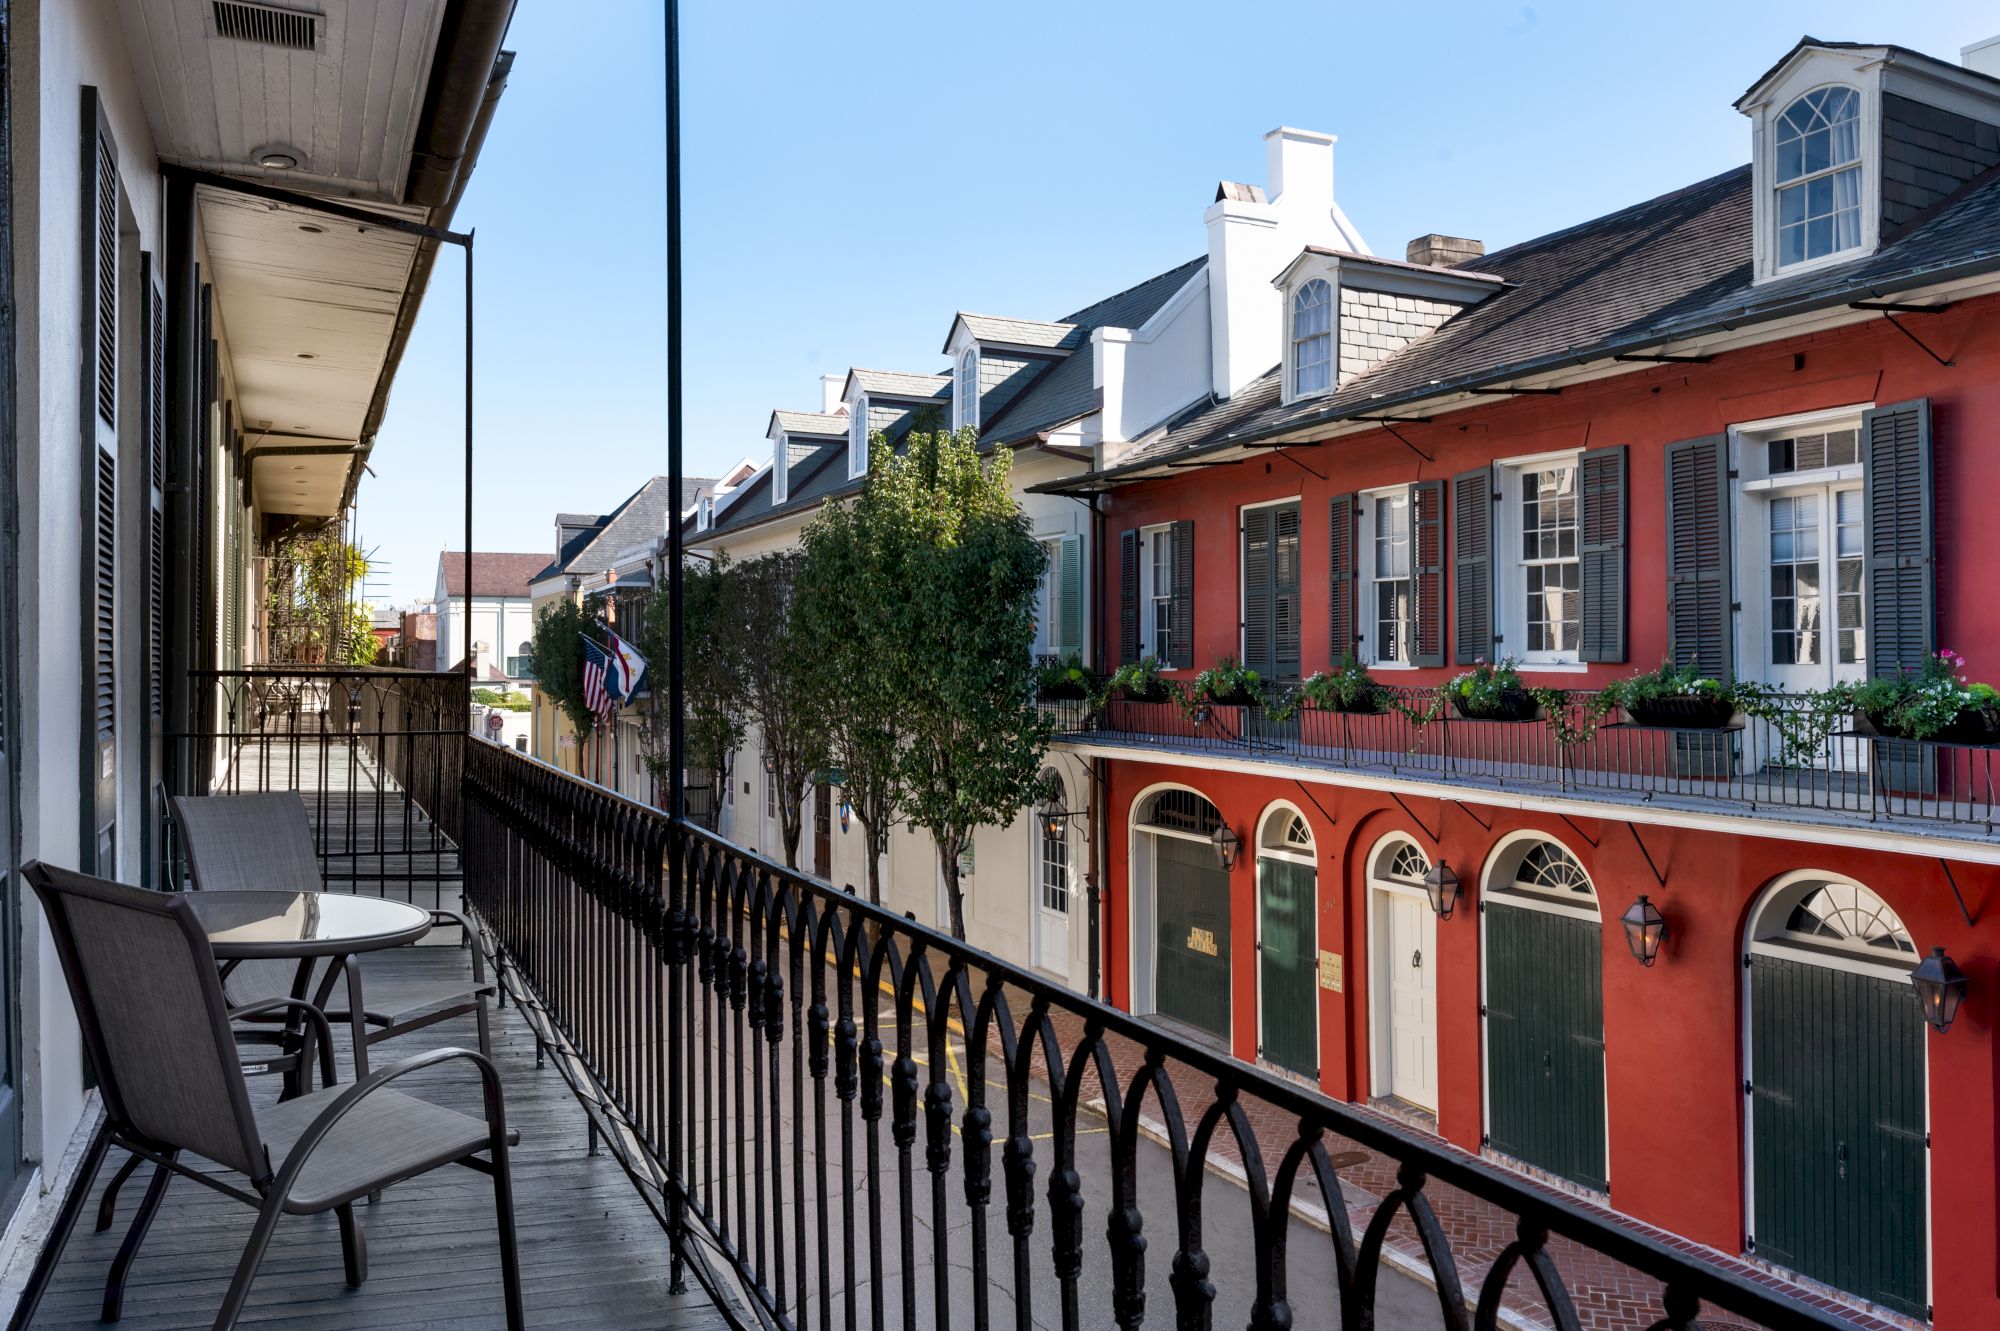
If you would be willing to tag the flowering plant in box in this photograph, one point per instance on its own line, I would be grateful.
(1935, 701)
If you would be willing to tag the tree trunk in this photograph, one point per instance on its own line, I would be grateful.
(948, 862)
(874, 868)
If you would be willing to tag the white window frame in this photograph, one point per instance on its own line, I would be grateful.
(1822, 70)
(965, 405)
(1364, 576)
(1149, 592)
(1510, 574)
(1332, 307)
(1779, 187)
(1749, 461)
(857, 438)
(1307, 269)
(781, 468)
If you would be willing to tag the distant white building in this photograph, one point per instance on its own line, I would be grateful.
(503, 619)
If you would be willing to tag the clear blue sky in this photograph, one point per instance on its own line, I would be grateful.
(855, 174)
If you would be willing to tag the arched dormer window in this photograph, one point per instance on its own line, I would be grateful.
(965, 391)
(1312, 338)
(1817, 175)
(857, 439)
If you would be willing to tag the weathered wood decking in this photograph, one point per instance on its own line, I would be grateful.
(592, 1254)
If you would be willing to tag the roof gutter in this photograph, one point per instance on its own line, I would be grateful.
(469, 55)
(1982, 263)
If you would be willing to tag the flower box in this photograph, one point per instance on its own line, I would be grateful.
(1691, 712)
(1506, 705)
(1975, 725)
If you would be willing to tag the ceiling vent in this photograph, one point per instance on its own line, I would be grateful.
(266, 25)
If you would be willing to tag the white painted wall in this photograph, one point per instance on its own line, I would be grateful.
(502, 622)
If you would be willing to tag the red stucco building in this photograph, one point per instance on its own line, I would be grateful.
(1744, 426)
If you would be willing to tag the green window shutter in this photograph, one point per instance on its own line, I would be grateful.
(1258, 650)
(1896, 507)
(1472, 564)
(1427, 573)
(1698, 556)
(1601, 520)
(1181, 656)
(1128, 597)
(1341, 611)
(1285, 591)
(1069, 587)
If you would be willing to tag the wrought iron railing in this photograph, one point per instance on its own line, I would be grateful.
(375, 753)
(814, 1091)
(1793, 758)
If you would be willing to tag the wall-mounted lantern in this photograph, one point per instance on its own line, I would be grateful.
(1442, 887)
(769, 766)
(1645, 929)
(1226, 843)
(1940, 987)
(1055, 812)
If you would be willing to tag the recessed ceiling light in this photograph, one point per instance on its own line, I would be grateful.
(312, 230)
(298, 466)
(307, 355)
(277, 157)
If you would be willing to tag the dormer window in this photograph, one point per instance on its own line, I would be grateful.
(704, 514)
(857, 439)
(965, 391)
(1818, 176)
(1312, 338)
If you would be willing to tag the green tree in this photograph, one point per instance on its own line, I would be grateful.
(713, 680)
(781, 684)
(956, 608)
(556, 654)
(845, 585)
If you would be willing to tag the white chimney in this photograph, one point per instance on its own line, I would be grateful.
(1982, 57)
(830, 386)
(1250, 240)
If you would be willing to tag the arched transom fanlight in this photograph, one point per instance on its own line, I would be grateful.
(1847, 915)
(1183, 811)
(1407, 864)
(1287, 830)
(1549, 869)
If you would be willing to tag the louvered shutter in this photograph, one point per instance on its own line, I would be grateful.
(104, 561)
(1341, 611)
(1698, 556)
(1427, 573)
(100, 394)
(1472, 565)
(1902, 582)
(1128, 597)
(1258, 650)
(1601, 521)
(1069, 588)
(1182, 655)
(156, 480)
(1285, 591)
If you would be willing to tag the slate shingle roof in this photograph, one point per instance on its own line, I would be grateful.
(640, 518)
(809, 422)
(896, 383)
(1022, 332)
(1064, 390)
(493, 574)
(1634, 280)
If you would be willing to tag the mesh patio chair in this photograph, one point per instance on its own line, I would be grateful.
(263, 842)
(157, 1028)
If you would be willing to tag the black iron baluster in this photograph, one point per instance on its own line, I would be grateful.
(1531, 1238)
(846, 1083)
(903, 1116)
(990, 1019)
(870, 983)
(1408, 1197)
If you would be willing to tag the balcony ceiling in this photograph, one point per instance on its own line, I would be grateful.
(307, 305)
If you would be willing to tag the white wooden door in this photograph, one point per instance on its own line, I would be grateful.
(1814, 601)
(1409, 941)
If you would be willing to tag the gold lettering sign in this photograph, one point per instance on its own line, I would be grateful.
(1329, 971)
(1203, 941)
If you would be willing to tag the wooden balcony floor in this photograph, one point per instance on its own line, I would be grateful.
(592, 1254)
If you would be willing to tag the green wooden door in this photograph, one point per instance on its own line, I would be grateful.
(1192, 905)
(1545, 1041)
(1287, 951)
(1837, 1129)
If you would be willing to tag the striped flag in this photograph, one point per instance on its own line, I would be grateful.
(631, 666)
(597, 666)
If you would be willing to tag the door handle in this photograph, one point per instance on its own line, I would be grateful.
(1548, 1065)
(1417, 959)
(1840, 1158)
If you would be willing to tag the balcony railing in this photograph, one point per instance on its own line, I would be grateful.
(815, 1091)
(1811, 763)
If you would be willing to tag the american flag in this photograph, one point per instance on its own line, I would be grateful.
(597, 664)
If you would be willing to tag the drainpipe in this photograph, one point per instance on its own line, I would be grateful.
(468, 45)
(1099, 770)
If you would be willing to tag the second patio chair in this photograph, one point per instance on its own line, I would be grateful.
(264, 842)
(157, 1028)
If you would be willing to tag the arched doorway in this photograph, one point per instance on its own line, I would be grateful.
(1180, 899)
(1402, 965)
(1287, 942)
(1544, 980)
(1838, 1163)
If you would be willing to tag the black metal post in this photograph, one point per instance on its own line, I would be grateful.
(678, 921)
(467, 718)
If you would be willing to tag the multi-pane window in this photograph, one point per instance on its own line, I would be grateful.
(1819, 175)
(1549, 558)
(1810, 452)
(1312, 338)
(1054, 836)
(1048, 601)
(1160, 592)
(1798, 593)
(770, 791)
(857, 438)
(1391, 579)
(965, 391)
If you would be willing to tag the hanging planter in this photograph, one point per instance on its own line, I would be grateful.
(1490, 692)
(1692, 713)
(1933, 703)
